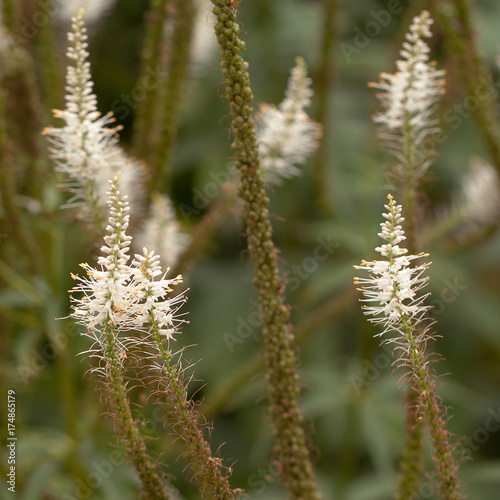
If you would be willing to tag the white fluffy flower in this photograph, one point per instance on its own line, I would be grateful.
(393, 285)
(409, 96)
(86, 147)
(121, 296)
(286, 135)
(162, 232)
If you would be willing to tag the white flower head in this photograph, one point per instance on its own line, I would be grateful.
(86, 147)
(123, 296)
(409, 96)
(393, 285)
(286, 135)
(162, 231)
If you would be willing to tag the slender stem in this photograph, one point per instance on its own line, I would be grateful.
(185, 423)
(52, 78)
(413, 356)
(184, 17)
(324, 84)
(279, 343)
(11, 218)
(145, 128)
(125, 425)
(11, 17)
(411, 465)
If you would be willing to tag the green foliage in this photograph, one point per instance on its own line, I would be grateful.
(353, 406)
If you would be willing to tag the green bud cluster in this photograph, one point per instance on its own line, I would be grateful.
(279, 343)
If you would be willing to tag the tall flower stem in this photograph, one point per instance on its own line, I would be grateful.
(325, 81)
(185, 13)
(125, 425)
(157, 120)
(184, 420)
(430, 408)
(144, 131)
(279, 343)
(408, 130)
(109, 309)
(393, 284)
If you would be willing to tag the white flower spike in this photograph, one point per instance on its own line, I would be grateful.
(286, 135)
(409, 96)
(86, 148)
(120, 297)
(393, 285)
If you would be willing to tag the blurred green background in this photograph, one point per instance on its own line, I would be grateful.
(354, 406)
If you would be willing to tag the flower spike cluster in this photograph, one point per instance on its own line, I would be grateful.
(410, 94)
(286, 135)
(86, 148)
(122, 296)
(393, 285)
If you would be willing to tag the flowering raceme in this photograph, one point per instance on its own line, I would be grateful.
(409, 99)
(410, 94)
(86, 147)
(393, 285)
(286, 135)
(121, 296)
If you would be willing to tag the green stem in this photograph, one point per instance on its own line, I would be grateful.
(411, 465)
(174, 89)
(184, 420)
(324, 83)
(126, 426)
(52, 79)
(12, 220)
(430, 408)
(145, 130)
